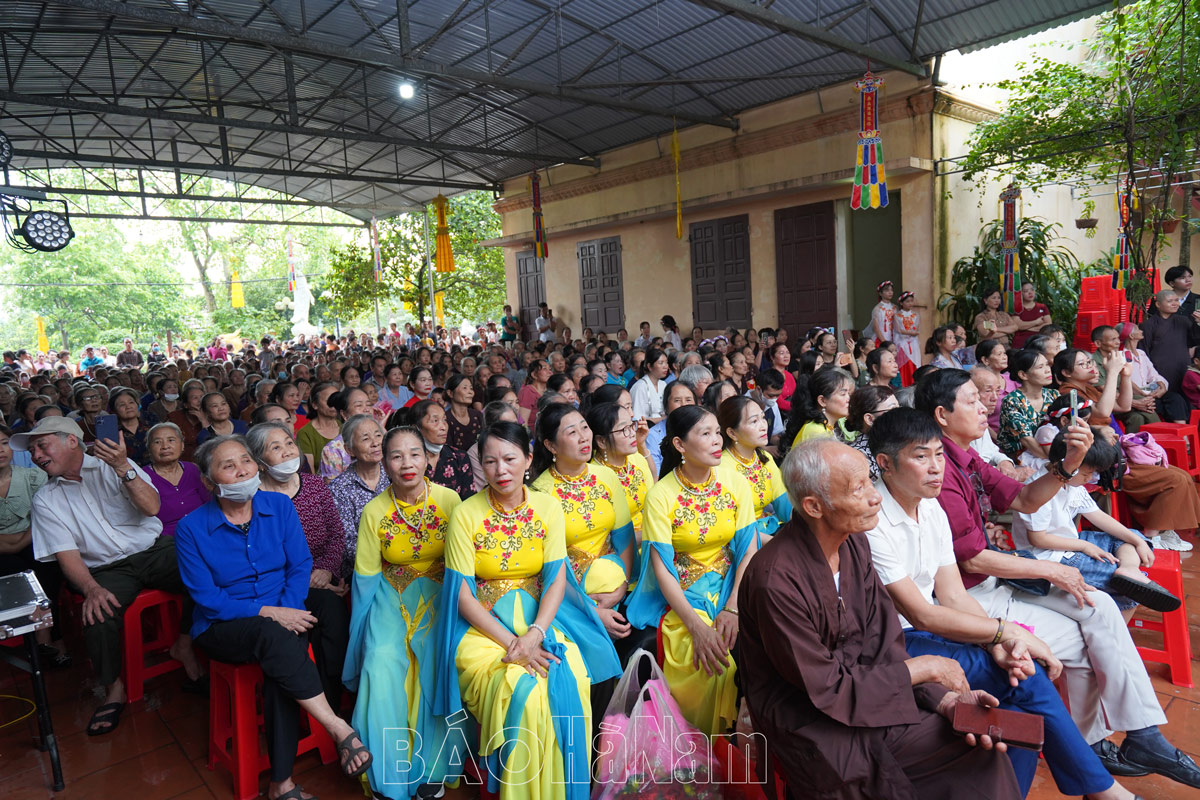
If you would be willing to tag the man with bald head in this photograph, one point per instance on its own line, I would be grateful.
(1169, 338)
(845, 710)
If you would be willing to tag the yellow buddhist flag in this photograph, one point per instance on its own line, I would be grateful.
(236, 298)
(43, 343)
(443, 253)
(439, 303)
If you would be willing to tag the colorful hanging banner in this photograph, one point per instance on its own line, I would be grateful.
(870, 183)
(291, 259)
(1126, 200)
(540, 249)
(237, 298)
(376, 253)
(678, 194)
(439, 304)
(1010, 284)
(42, 342)
(443, 252)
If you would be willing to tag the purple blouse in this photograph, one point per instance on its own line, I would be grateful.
(178, 501)
(321, 523)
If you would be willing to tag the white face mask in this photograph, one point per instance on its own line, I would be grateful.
(241, 491)
(1060, 347)
(170, 397)
(284, 469)
(433, 448)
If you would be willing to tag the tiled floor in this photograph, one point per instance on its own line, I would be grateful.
(159, 750)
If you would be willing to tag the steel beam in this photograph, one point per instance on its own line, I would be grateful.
(743, 9)
(104, 109)
(405, 64)
(176, 218)
(220, 169)
(204, 198)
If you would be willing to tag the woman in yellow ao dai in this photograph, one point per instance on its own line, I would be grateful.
(744, 430)
(599, 533)
(398, 572)
(519, 644)
(698, 535)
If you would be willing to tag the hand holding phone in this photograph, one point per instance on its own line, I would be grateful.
(106, 428)
(1074, 400)
(1014, 728)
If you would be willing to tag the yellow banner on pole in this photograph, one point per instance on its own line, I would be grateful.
(236, 298)
(42, 342)
(439, 300)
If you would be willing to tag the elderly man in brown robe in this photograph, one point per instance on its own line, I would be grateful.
(845, 711)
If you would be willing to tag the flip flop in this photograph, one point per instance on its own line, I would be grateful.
(1147, 593)
(107, 714)
(347, 753)
(295, 793)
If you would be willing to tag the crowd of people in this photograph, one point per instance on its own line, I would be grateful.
(806, 532)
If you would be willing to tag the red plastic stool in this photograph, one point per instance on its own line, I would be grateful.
(235, 697)
(141, 640)
(1177, 647)
(1190, 435)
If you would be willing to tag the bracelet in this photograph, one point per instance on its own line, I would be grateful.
(1059, 472)
(537, 627)
(999, 630)
(733, 611)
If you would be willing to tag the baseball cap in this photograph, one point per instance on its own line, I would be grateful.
(20, 441)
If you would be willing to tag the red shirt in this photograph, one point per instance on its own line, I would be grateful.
(1038, 311)
(960, 500)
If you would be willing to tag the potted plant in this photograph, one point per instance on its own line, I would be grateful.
(1087, 221)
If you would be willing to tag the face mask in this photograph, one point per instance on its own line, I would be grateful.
(283, 376)
(1060, 347)
(284, 469)
(433, 448)
(170, 397)
(241, 491)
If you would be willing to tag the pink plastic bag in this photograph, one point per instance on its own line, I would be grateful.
(1140, 448)
(646, 748)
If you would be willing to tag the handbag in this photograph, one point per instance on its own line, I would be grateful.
(1140, 448)
(645, 747)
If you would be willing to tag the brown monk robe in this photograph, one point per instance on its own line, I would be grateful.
(845, 711)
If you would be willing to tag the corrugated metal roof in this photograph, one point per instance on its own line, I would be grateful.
(231, 58)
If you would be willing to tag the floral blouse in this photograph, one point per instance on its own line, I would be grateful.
(1018, 418)
(637, 479)
(405, 541)
(463, 437)
(334, 459)
(351, 496)
(453, 470)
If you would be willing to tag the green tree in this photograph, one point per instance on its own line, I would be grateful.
(60, 287)
(475, 290)
(1131, 105)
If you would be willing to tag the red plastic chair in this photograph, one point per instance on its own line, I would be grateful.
(1190, 434)
(144, 642)
(234, 718)
(1176, 651)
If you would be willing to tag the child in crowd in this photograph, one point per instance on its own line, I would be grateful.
(907, 337)
(1110, 558)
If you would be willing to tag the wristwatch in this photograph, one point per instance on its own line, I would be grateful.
(1059, 471)
(128, 476)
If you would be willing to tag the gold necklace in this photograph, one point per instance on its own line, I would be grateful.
(414, 526)
(624, 469)
(748, 463)
(558, 476)
(693, 488)
(508, 514)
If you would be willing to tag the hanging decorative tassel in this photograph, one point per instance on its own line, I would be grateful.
(540, 249)
(42, 342)
(1126, 201)
(237, 298)
(1010, 287)
(870, 183)
(678, 194)
(291, 267)
(376, 252)
(443, 252)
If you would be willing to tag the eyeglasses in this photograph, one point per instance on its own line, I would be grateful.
(628, 430)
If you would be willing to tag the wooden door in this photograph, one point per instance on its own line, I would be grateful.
(805, 269)
(531, 289)
(601, 293)
(721, 272)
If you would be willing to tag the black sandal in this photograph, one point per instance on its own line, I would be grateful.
(1148, 593)
(107, 714)
(52, 657)
(347, 753)
(295, 793)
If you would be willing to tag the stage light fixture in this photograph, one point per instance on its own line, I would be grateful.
(6, 151)
(47, 231)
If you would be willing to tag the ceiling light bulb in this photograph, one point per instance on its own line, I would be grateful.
(406, 91)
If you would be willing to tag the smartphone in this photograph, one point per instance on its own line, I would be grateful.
(1074, 400)
(106, 427)
(1015, 728)
(1128, 357)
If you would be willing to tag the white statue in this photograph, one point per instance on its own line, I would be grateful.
(303, 299)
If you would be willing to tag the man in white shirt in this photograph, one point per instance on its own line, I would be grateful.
(545, 323)
(913, 552)
(96, 517)
(644, 338)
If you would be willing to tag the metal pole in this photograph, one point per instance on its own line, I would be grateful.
(429, 266)
(377, 324)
